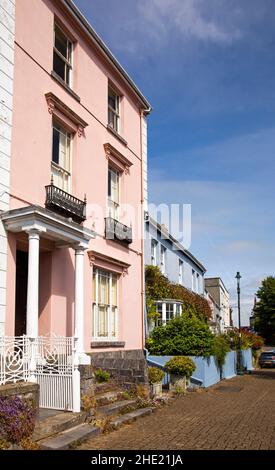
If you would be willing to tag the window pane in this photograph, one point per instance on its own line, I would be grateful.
(102, 320)
(169, 311)
(55, 148)
(59, 66)
(65, 182)
(60, 42)
(94, 287)
(62, 150)
(112, 101)
(103, 289)
(109, 182)
(111, 119)
(114, 290)
(113, 321)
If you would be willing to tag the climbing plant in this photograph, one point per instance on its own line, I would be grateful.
(158, 287)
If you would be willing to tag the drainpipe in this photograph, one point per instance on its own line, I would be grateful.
(143, 112)
(142, 235)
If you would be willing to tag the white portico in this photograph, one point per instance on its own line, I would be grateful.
(39, 223)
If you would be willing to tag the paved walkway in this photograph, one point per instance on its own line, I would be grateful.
(235, 414)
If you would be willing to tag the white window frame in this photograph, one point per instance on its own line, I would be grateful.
(68, 61)
(163, 252)
(193, 280)
(114, 206)
(114, 111)
(164, 320)
(181, 272)
(56, 167)
(198, 283)
(154, 245)
(109, 337)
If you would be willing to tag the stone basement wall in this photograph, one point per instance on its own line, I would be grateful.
(127, 368)
(25, 390)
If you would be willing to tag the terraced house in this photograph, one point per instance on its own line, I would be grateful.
(73, 154)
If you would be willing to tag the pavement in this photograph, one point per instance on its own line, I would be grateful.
(238, 413)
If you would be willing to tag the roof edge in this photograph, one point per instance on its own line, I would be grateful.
(177, 244)
(73, 10)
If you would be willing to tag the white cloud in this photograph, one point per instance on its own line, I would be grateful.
(189, 18)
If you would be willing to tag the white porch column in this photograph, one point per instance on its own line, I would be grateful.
(79, 305)
(33, 284)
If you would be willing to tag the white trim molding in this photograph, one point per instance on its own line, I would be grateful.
(7, 15)
(54, 227)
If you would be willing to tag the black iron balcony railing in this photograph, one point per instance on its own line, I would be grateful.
(115, 230)
(65, 204)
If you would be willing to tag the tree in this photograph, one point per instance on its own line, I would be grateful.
(264, 310)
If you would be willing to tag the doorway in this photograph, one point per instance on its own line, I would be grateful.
(21, 292)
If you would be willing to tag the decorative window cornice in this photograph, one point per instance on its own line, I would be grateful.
(100, 260)
(59, 109)
(117, 159)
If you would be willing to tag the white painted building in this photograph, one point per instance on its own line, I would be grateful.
(218, 291)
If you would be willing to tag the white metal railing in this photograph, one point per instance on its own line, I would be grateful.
(15, 357)
(51, 361)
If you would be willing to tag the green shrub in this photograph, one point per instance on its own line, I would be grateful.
(186, 335)
(102, 375)
(220, 349)
(180, 365)
(155, 375)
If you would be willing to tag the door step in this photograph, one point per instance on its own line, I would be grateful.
(130, 417)
(55, 423)
(109, 397)
(104, 387)
(116, 407)
(70, 439)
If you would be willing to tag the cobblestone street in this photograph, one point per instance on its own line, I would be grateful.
(235, 414)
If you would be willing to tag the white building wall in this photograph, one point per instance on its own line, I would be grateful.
(7, 25)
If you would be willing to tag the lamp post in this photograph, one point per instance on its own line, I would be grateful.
(239, 356)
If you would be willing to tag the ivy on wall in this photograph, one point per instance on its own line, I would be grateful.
(158, 287)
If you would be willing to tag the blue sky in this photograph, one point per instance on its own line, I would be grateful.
(208, 69)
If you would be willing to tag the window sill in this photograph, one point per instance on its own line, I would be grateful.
(107, 344)
(64, 85)
(117, 135)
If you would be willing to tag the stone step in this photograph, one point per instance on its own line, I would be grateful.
(130, 417)
(70, 439)
(109, 397)
(48, 426)
(115, 408)
(104, 387)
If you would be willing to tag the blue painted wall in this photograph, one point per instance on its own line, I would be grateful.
(247, 359)
(206, 368)
(229, 367)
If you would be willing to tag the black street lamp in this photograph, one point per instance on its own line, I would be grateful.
(239, 354)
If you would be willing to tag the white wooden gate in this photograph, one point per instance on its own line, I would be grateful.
(51, 361)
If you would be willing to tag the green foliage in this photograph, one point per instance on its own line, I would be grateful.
(248, 340)
(180, 365)
(264, 310)
(158, 287)
(102, 375)
(155, 375)
(187, 335)
(220, 349)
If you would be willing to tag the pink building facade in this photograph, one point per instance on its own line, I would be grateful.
(74, 254)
